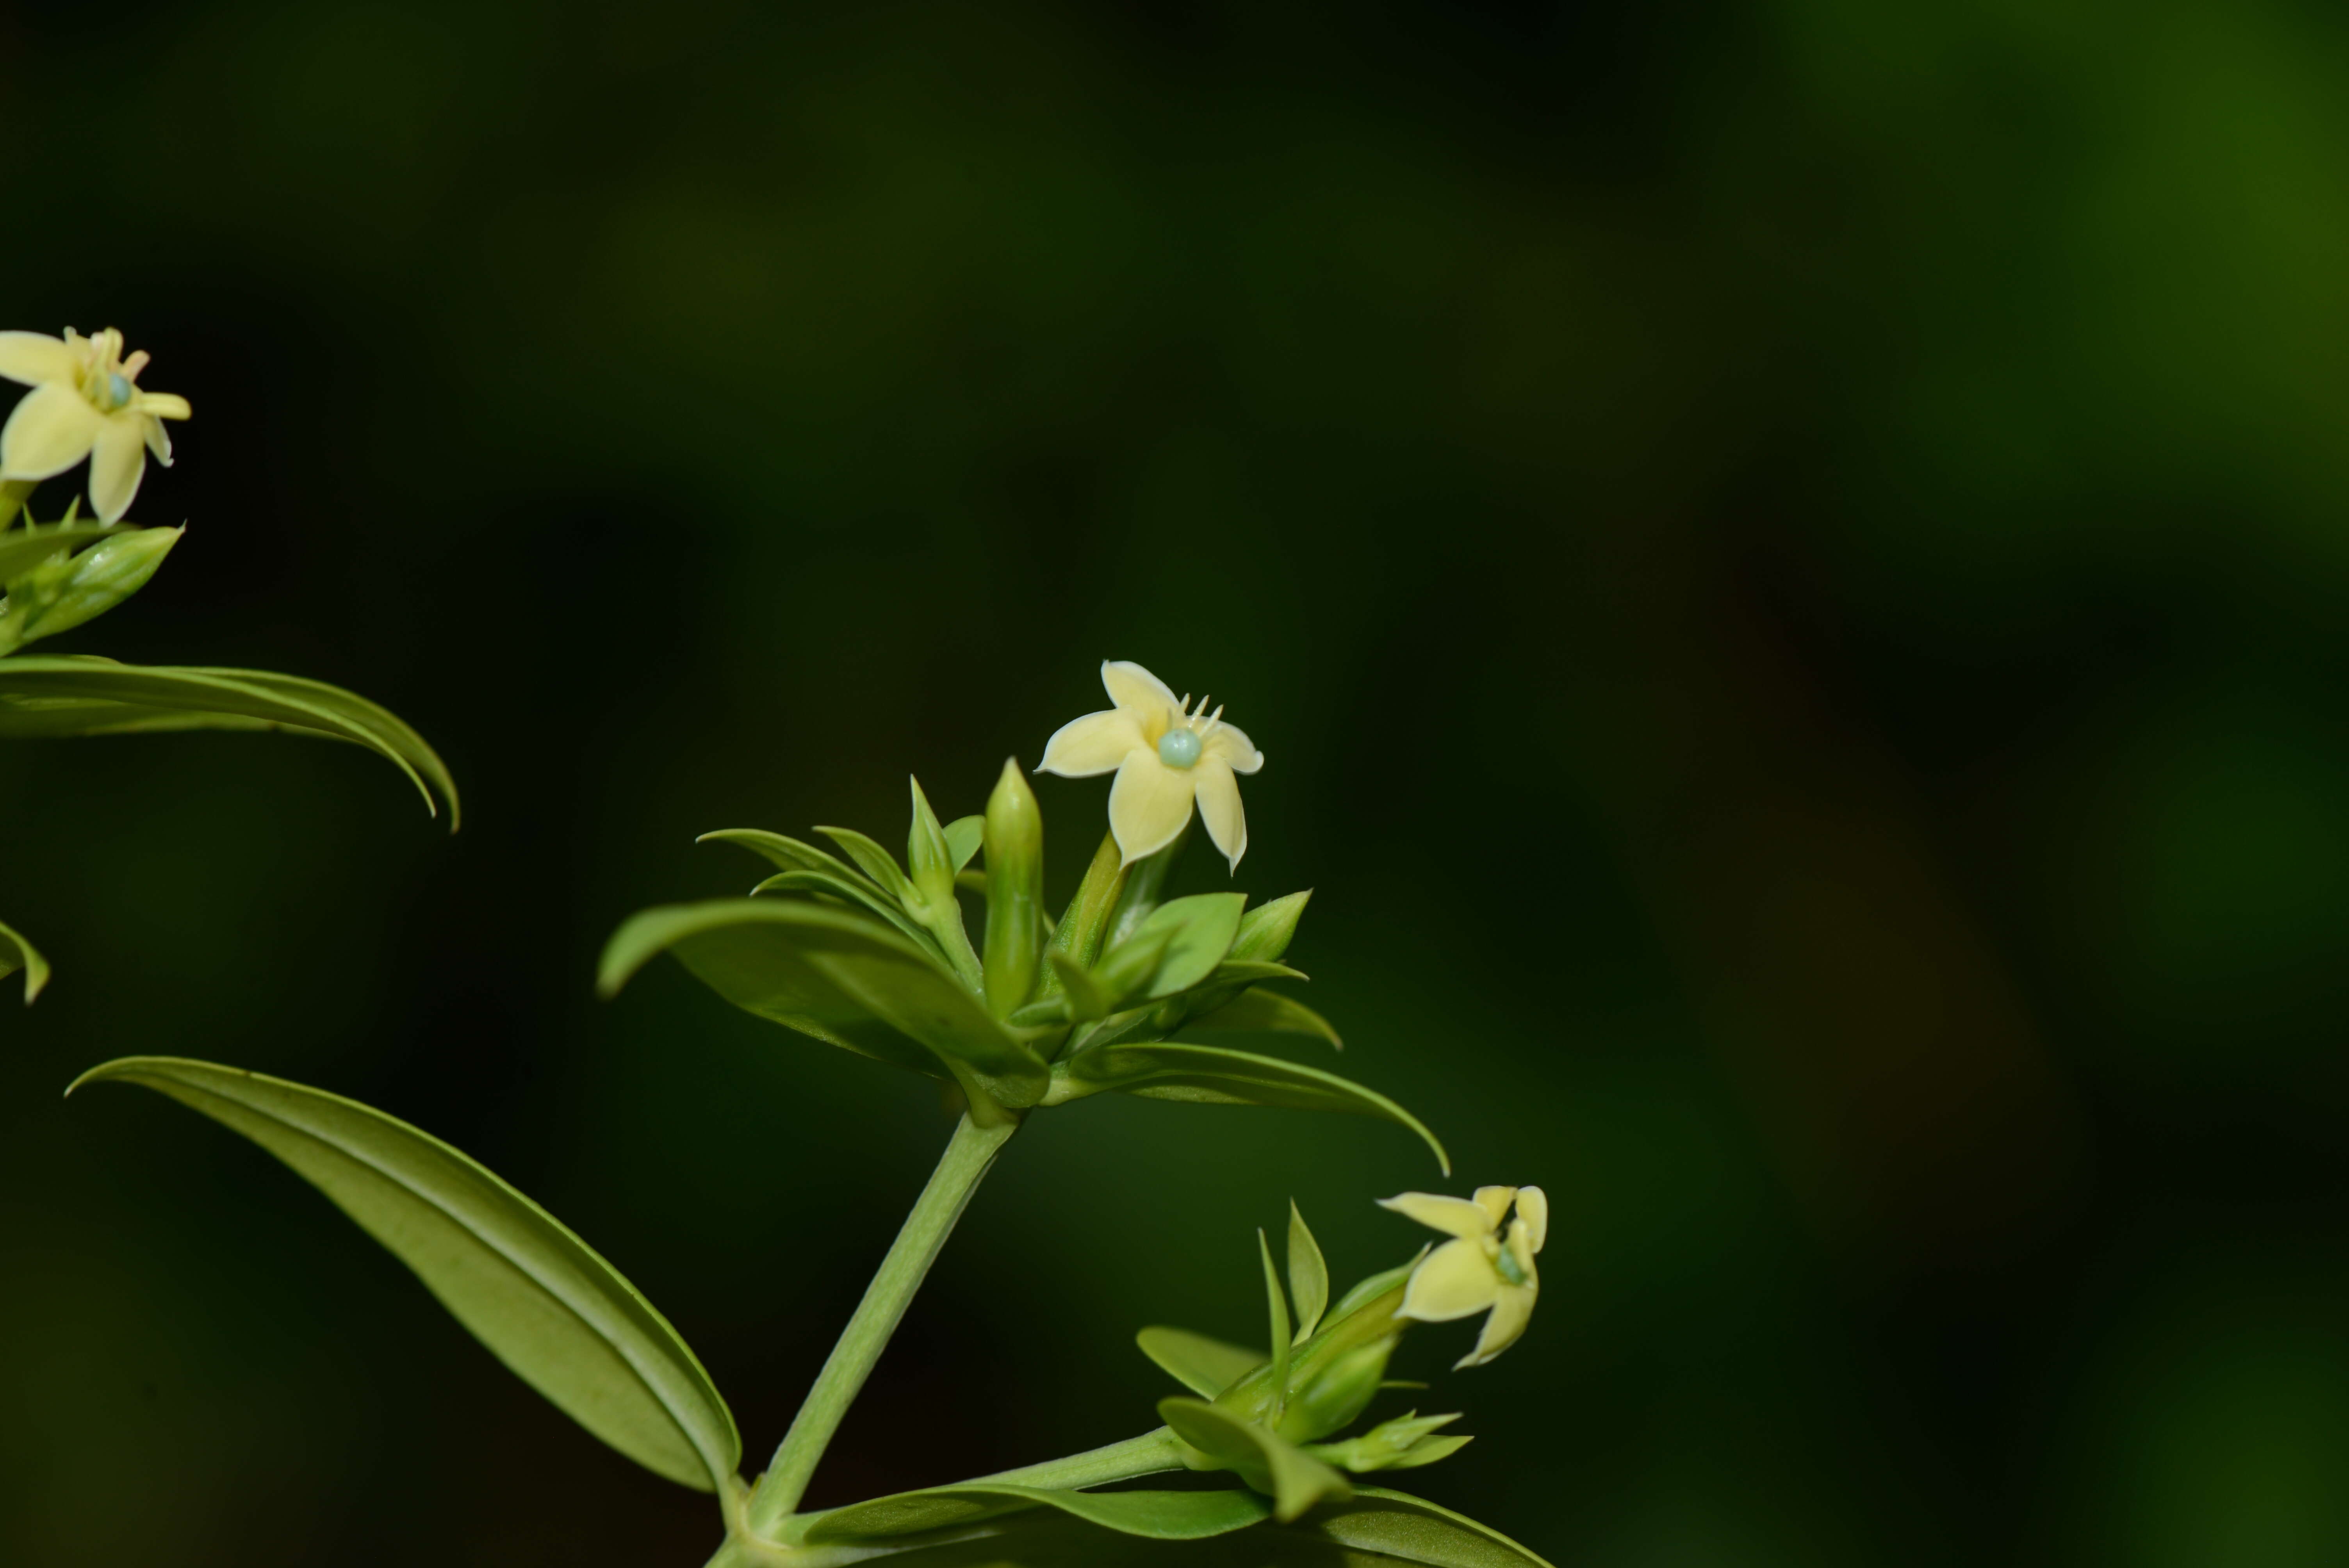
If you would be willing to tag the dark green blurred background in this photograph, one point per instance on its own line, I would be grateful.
(1789, 559)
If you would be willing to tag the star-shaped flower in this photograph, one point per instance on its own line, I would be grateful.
(1488, 1267)
(1166, 755)
(84, 402)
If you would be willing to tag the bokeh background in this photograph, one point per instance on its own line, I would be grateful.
(1789, 559)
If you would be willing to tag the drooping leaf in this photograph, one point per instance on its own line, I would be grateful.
(1294, 1479)
(1405, 1529)
(1309, 1276)
(72, 695)
(964, 837)
(783, 854)
(1211, 1074)
(16, 954)
(536, 1294)
(856, 890)
(1207, 1367)
(838, 975)
(21, 550)
(1256, 1011)
(1153, 1515)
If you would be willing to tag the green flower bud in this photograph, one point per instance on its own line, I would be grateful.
(1015, 882)
(1406, 1443)
(62, 593)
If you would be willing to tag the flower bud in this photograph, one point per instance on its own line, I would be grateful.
(1015, 882)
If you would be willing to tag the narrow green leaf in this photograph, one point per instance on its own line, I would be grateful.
(1206, 1366)
(1265, 931)
(1085, 922)
(1154, 1515)
(1249, 970)
(875, 862)
(537, 1295)
(929, 860)
(1294, 1479)
(1277, 1308)
(1084, 995)
(1406, 1529)
(964, 837)
(1375, 1286)
(1196, 932)
(1309, 1276)
(1259, 1012)
(31, 684)
(839, 975)
(16, 954)
(1144, 880)
(1210, 1075)
(857, 890)
(60, 595)
(783, 854)
(21, 550)
(1124, 974)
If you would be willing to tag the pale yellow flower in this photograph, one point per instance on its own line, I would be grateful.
(1487, 1267)
(84, 402)
(1167, 755)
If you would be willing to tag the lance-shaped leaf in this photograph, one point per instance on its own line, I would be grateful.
(963, 836)
(1261, 1012)
(839, 975)
(1294, 1479)
(62, 593)
(1249, 970)
(1196, 931)
(87, 695)
(16, 954)
(856, 890)
(536, 1294)
(1207, 1367)
(1377, 1528)
(875, 862)
(21, 550)
(1211, 1074)
(1153, 1515)
(783, 854)
(1309, 1275)
(1265, 931)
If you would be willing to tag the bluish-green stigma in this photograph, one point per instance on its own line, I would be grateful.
(1179, 747)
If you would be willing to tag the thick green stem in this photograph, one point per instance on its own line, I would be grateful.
(969, 1153)
(1153, 1453)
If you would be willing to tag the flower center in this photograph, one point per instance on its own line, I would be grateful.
(117, 390)
(1179, 747)
(1506, 1260)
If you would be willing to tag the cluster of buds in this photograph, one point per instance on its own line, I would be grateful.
(1271, 1419)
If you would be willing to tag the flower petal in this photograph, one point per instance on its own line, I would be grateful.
(158, 439)
(118, 461)
(1219, 806)
(50, 431)
(1230, 742)
(33, 357)
(162, 405)
(1148, 804)
(1457, 1280)
(1452, 1216)
(1533, 1208)
(1494, 1200)
(1512, 1310)
(1093, 744)
(1141, 694)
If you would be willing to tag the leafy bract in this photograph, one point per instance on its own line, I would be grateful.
(785, 853)
(1395, 1525)
(1265, 931)
(1196, 931)
(1212, 1074)
(80, 695)
(528, 1288)
(853, 890)
(1154, 1515)
(1207, 1367)
(1256, 1011)
(16, 954)
(839, 975)
(963, 836)
(1309, 1275)
(1294, 1479)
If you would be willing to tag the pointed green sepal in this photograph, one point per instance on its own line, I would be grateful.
(1293, 1478)
(1309, 1275)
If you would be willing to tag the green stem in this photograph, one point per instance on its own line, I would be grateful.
(968, 1154)
(1153, 1453)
